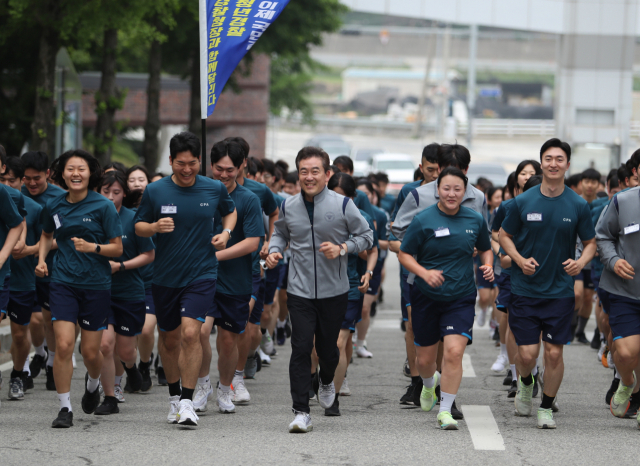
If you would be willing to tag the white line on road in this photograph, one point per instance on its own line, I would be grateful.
(467, 368)
(482, 428)
(9, 365)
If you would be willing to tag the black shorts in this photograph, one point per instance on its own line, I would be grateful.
(193, 301)
(528, 317)
(624, 316)
(503, 301)
(148, 301)
(353, 315)
(42, 293)
(284, 276)
(21, 305)
(231, 312)
(376, 280)
(89, 308)
(127, 317)
(258, 295)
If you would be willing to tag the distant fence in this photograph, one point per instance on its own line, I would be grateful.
(510, 128)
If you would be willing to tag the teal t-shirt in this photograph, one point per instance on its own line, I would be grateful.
(129, 284)
(269, 206)
(49, 193)
(402, 195)
(496, 224)
(10, 217)
(445, 242)
(382, 222)
(93, 219)
(547, 228)
(23, 271)
(235, 275)
(387, 203)
(357, 267)
(186, 254)
(362, 202)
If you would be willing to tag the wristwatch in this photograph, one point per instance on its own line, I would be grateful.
(343, 251)
(370, 272)
(97, 249)
(122, 267)
(228, 231)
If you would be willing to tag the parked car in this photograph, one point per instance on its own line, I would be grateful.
(362, 160)
(494, 172)
(398, 167)
(332, 144)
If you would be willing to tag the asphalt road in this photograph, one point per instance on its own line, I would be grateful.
(373, 429)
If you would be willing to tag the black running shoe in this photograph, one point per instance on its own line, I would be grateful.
(456, 413)
(507, 379)
(134, 379)
(156, 362)
(582, 338)
(50, 384)
(403, 326)
(334, 410)
(64, 419)
(612, 389)
(145, 372)
(214, 329)
(595, 342)
(27, 381)
(90, 400)
(258, 359)
(162, 379)
(281, 336)
(109, 406)
(632, 411)
(496, 334)
(407, 398)
(374, 309)
(37, 364)
(417, 391)
(513, 389)
(405, 369)
(535, 387)
(381, 295)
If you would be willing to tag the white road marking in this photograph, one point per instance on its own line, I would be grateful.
(9, 365)
(467, 368)
(483, 429)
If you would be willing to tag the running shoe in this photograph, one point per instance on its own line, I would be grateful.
(37, 364)
(513, 389)
(281, 337)
(582, 338)
(51, 383)
(405, 369)
(174, 407)
(604, 358)
(545, 419)
(634, 404)
(118, 393)
(417, 391)
(326, 394)
(27, 381)
(446, 421)
(481, 317)
(266, 360)
(403, 326)
(225, 405)
(301, 423)
(595, 342)
(428, 398)
(334, 409)
(186, 415)
(203, 393)
(507, 378)
(134, 379)
(16, 391)
(363, 352)
(145, 372)
(612, 390)
(267, 343)
(90, 400)
(455, 412)
(502, 362)
(315, 383)
(610, 363)
(534, 394)
(251, 367)
(523, 398)
(603, 347)
(109, 406)
(240, 395)
(345, 390)
(620, 401)
(162, 379)
(64, 419)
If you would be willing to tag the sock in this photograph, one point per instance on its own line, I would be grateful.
(144, 364)
(252, 352)
(263, 330)
(128, 369)
(159, 361)
(428, 382)
(52, 354)
(528, 380)
(40, 350)
(446, 401)
(602, 337)
(503, 349)
(187, 393)
(415, 380)
(118, 379)
(204, 380)
(16, 374)
(65, 400)
(238, 375)
(174, 389)
(547, 401)
(360, 343)
(280, 323)
(92, 384)
(582, 323)
(534, 371)
(224, 388)
(514, 376)
(26, 367)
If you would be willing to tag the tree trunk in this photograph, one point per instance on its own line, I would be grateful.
(195, 120)
(108, 99)
(44, 127)
(150, 146)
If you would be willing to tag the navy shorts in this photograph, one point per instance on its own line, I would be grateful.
(20, 307)
(271, 283)
(231, 312)
(595, 279)
(284, 276)
(604, 300)
(432, 320)
(503, 301)
(405, 297)
(42, 294)
(193, 301)
(528, 317)
(376, 280)
(127, 317)
(4, 295)
(258, 295)
(481, 282)
(624, 316)
(354, 312)
(148, 302)
(89, 308)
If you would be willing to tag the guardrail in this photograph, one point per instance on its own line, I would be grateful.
(509, 127)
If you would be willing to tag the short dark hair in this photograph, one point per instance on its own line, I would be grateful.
(36, 160)
(283, 165)
(279, 173)
(453, 155)
(613, 182)
(612, 172)
(269, 166)
(3, 155)
(573, 180)
(418, 175)
(142, 168)
(555, 142)
(230, 149)
(60, 163)
(243, 143)
(453, 171)
(512, 182)
(345, 161)
(624, 173)
(291, 177)
(116, 166)
(430, 152)
(252, 167)
(334, 169)
(634, 162)
(483, 184)
(131, 198)
(381, 177)
(258, 163)
(184, 142)
(591, 174)
(534, 163)
(535, 180)
(15, 165)
(491, 191)
(160, 174)
(344, 182)
(366, 183)
(309, 152)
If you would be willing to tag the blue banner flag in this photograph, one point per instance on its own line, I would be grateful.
(228, 29)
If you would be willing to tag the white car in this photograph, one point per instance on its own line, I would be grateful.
(362, 160)
(398, 167)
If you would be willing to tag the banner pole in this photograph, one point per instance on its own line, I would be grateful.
(203, 169)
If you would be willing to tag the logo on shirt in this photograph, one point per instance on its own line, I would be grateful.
(449, 327)
(566, 220)
(329, 216)
(125, 329)
(124, 236)
(86, 219)
(86, 322)
(182, 310)
(204, 204)
(549, 336)
(470, 232)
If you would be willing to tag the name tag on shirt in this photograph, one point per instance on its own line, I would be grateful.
(57, 220)
(169, 209)
(631, 229)
(534, 217)
(440, 232)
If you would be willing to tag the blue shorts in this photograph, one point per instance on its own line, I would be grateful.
(42, 294)
(503, 301)
(193, 301)
(481, 282)
(4, 295)
(89, 308)
(432, 320)
(20, 307)
(284, 276)
(258, 295)
(271, 283)
(405, 297)
(595, 279)
(231, 312)
(376, 280)
(624, 316)
(127, 317)
(354, 312)
(604, 300)
(528, 317)
(148, 302)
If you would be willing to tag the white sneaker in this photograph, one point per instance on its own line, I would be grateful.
(174, 408)
(363, 352)
(301, 424)
(73, 360)
(610, 363)
(118, 393)
(225, 405)
(240, 394)
(266, 360)
(326, 395)
(501, 363)
(186, 415)
(481, 317)
(603, 346)
(267, 343)
(204, 392)
(344, 390)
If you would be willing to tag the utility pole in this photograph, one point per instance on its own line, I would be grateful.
(471, 80)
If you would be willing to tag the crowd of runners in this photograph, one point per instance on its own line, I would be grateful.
(259, 253)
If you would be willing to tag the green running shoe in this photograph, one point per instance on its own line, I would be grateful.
(545, 419)
(446, 421)
(620, 399)
(428, 398)
(523, 398)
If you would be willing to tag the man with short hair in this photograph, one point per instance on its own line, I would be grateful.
(345, 164)
(321, 227)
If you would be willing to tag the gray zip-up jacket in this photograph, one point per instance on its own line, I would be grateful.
(425, 196)
(337, 220)
(618, 237)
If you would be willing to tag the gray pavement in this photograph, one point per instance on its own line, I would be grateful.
(374, 427)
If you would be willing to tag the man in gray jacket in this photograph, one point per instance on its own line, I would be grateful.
(618, 238)
(320, 227)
